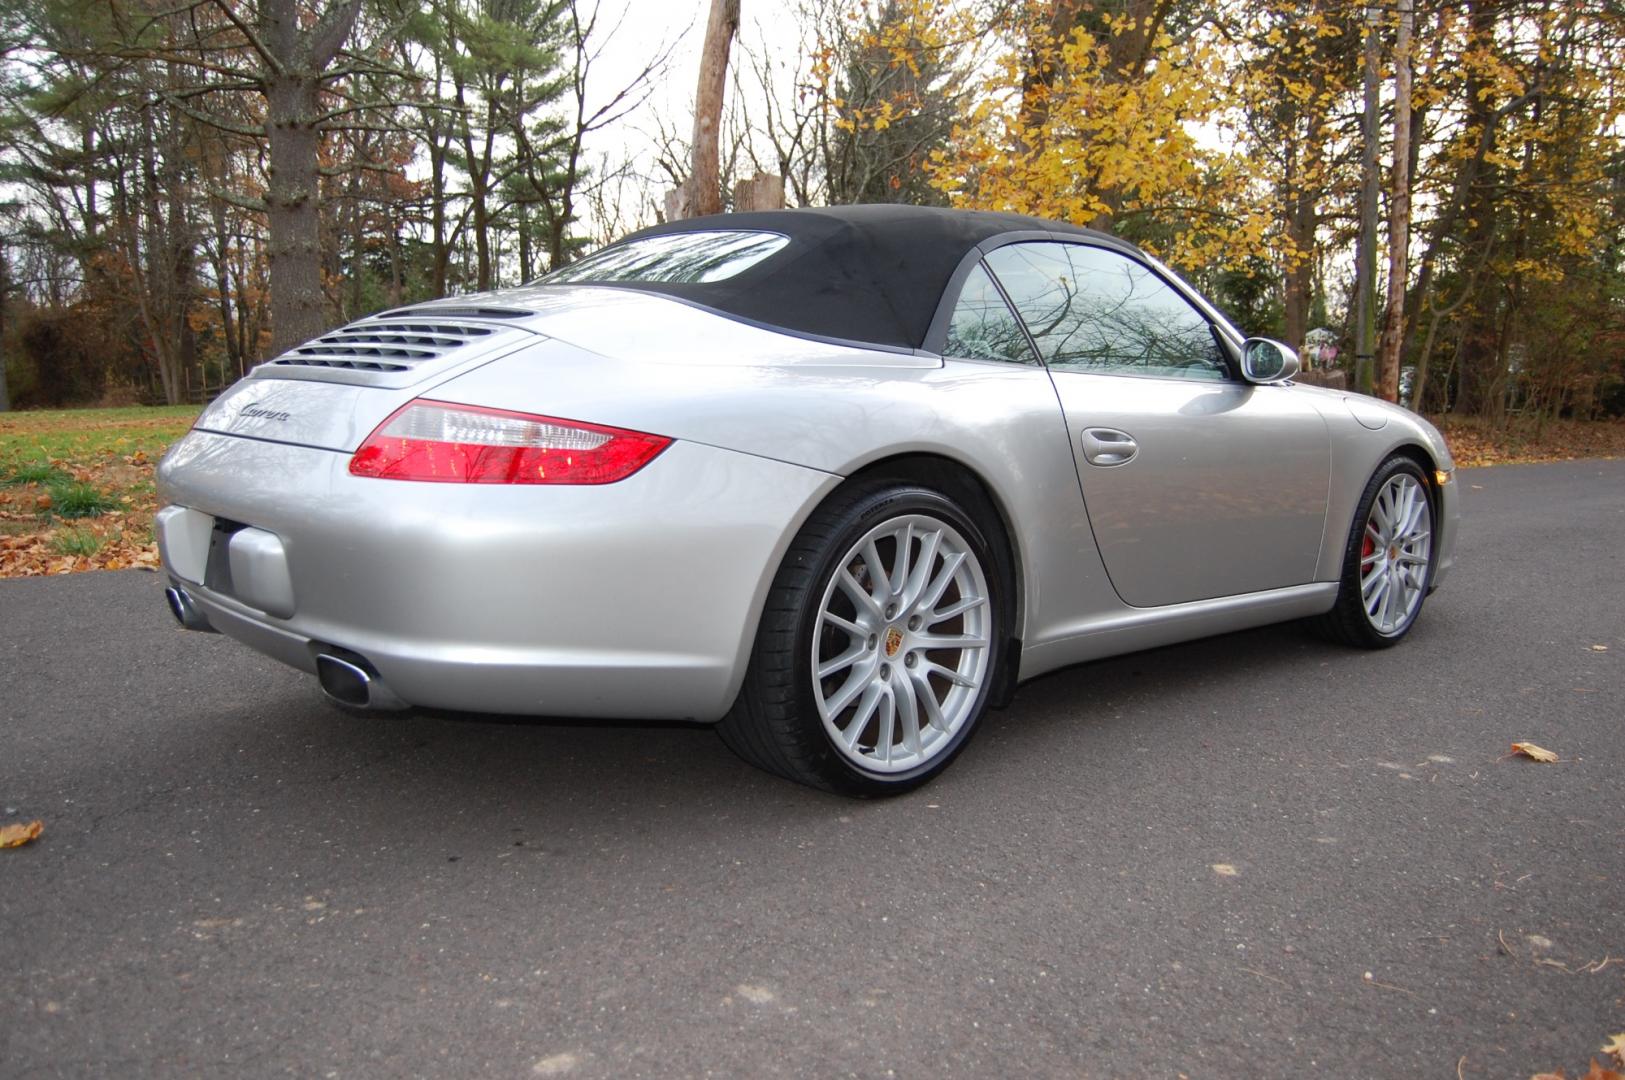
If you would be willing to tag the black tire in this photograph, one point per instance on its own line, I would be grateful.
(1348, 622)
(776, 723)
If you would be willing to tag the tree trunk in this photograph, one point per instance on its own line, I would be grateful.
(1039, 71)
(220, 263)
(558, 252)
(1300, 277)
(1365, 256)
(705, 171)
(89, 143)
(482, 236)
(1445, 221)
(395, 289)
(292, 214)
(5, 394)
(439, 141)
(247, 326)
(292, 82)
(1302, 221)
(1480, 356)
(358, 244)
(1399, 219)
(522, 219)
(151, 246)
(441, 246)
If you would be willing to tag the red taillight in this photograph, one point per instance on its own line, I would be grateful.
(470, 444)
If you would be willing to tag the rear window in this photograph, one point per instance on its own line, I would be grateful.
(674, 257)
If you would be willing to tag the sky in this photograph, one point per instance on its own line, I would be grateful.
(645, 29)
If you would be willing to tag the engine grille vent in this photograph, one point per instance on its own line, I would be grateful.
(375, 346)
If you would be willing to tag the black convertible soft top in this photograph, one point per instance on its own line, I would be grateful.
(871, 273)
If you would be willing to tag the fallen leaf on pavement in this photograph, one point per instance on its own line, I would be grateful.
(1616, 1046)
(1599, 648)
(1533, 752)
(18, 835)
(1596, 1072)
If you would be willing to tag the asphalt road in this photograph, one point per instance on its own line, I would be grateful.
(1253, 856)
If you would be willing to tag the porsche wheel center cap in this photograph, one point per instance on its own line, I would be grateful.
(894, 641)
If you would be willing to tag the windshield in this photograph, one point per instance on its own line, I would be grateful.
(674, 257)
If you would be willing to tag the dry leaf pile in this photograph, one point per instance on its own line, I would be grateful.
(76, 487)
(1474, 443)
(34, 540)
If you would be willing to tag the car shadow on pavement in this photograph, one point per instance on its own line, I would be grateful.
(414, 768)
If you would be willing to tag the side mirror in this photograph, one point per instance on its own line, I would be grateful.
(1266, 361)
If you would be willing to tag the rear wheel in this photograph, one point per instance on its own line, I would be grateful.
(878, 646)
(1388, 563)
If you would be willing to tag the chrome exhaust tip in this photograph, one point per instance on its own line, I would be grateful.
(353, 685)
(186, 611)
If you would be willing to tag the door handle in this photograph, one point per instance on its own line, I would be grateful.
(1108, 446)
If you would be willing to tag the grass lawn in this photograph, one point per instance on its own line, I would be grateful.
(76, 487)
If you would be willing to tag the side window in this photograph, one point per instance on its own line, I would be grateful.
(1093, 310)
(983, 326)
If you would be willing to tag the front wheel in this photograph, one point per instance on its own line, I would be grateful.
(1388, 563)
(878, 646)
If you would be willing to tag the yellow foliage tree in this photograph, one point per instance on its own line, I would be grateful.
(1108, 115)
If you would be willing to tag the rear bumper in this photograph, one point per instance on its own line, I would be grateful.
(637, 599)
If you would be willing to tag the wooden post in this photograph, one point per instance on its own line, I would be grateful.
(764, 191)
(679, 202)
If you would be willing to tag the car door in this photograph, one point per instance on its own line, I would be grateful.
(1197, 484)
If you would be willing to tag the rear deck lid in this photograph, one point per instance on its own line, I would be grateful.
(333, 391)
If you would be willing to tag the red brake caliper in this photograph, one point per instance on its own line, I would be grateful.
(1367, 548)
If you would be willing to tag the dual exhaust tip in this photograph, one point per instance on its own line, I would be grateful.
(186, 611)
(353, 683)
(346, 678)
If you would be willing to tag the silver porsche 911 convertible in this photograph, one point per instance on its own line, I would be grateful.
(837, 480)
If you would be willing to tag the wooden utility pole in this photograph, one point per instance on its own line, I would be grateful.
(1390, 356)
(1365, 252)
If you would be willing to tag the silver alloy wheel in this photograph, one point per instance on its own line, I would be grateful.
(1394, 554)
(900, 653)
